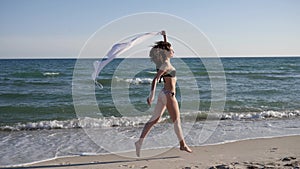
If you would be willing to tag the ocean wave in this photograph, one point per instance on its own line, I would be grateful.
(85, 122)
(152, 72)
(135, 81)
(107, 122)
(51, 73)
(34, 74)
(201, 116)
(260, 115)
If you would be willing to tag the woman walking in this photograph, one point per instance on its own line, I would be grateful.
(160, 54)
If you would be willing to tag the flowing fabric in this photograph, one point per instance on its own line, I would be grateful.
(118, 49)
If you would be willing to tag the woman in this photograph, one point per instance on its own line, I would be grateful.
(160, 54)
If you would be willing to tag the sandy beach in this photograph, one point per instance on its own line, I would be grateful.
(279, 152)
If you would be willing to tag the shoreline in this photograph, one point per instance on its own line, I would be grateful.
(278, 152)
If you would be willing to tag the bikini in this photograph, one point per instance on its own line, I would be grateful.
(171, 73)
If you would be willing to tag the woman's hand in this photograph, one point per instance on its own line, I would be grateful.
(149, 101)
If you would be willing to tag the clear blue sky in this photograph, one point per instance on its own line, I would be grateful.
(59, 28)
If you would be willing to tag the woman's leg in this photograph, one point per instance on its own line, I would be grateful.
(158, 111)
(173, 109)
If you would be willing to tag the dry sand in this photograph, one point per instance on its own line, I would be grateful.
(280, 152)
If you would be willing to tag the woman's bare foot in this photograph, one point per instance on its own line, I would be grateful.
(138, 146)
(186, 148)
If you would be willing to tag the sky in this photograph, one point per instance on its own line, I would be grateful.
(60, 28)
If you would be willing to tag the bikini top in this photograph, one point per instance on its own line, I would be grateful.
(171, 73)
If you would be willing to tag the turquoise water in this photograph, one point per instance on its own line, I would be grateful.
(37, 102)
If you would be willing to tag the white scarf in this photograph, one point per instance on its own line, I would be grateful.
(117, 49)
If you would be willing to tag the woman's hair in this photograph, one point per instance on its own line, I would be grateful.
(159, 52)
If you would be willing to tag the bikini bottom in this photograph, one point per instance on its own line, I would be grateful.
(166, 92)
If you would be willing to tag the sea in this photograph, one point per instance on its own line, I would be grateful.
(51, 108)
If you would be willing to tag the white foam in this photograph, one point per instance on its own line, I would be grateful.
(152, 72)
(239, 116)
(261, 115)
(86, 122)
(135, 81)
(106, 122)
(51, 73)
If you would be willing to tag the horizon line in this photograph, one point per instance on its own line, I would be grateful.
(120, 57)
(137, 57)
